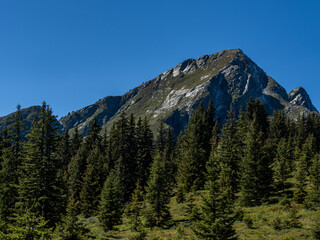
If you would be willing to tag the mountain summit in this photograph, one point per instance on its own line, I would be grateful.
(227, 77)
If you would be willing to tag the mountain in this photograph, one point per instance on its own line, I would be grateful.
(28, 114)
(227, 77)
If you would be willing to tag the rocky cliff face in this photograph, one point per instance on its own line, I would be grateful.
(300, 97)
(227, 77)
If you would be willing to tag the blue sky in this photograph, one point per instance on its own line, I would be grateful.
(73, 52)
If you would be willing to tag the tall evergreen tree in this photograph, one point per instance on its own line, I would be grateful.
(314, 193)
(228, 154)
(78, 164)
(256, 176)
(38, 187)
(194, 151)
(144, 150)
(93, 180)
(9, 173)
(216, 216)
(75, 142)
(111, 202)
(282, 163)
(158, 194)
(123, 153)
(278, 126)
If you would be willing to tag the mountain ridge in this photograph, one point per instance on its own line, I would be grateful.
(226, 77)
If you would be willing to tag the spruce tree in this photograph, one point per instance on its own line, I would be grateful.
(278, 126)
(158, 194)
(64, 155)
(75, 142)
(9, 174)
(256, 176)
(144, 150)
(216, 215)
(228, 154)
(314, 194)
(29, 226)
(133, 210)
(123, 153)
(110, 209)
(78, 165)
(282, 165)
(93, 180)
(194, 151)
(38, 188)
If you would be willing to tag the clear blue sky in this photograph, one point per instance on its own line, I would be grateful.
(73, 52)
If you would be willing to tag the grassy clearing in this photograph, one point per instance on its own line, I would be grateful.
(273, 221)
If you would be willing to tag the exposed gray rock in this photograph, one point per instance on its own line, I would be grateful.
(299, 96)
(227, 77)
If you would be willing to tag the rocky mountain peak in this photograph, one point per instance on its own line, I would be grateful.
(299, 96)
(225, 78)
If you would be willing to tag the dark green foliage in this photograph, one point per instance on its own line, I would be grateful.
(133, 210)
(303, 165)
(79, 165)
(76, 169)
(228, 154)
(316, 227)
(255, 111)
(75, 142)
(70, 228)
(256, 176)
(144, 146)
(301, 177)
(110, 210)
(11, 160)
(64, 155)
(217, 216)
(313, 198)
(122, 154)
(38, 188)
(282, 163)
(158, 194)
(29, 226)
(195, 151)
(93, 180)
(278, 126)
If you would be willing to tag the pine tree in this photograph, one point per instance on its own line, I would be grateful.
(134, 208)
(278, 126)
(301, 178)
(144, 150)
(75, 142)
(216, 216)
(158, 194)
(38, 187)
(64, 155)
(76, 169)
(111, 202)
(123, 154)
(29, 226)
(314, 193)
(93, 181)
(228, 154)
(308, 151)
(256, 176)
(78, 165)
(70, 227)
(9, 173)
(195, 151)
(282, 165)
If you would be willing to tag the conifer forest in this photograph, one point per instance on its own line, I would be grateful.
(252, 176)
